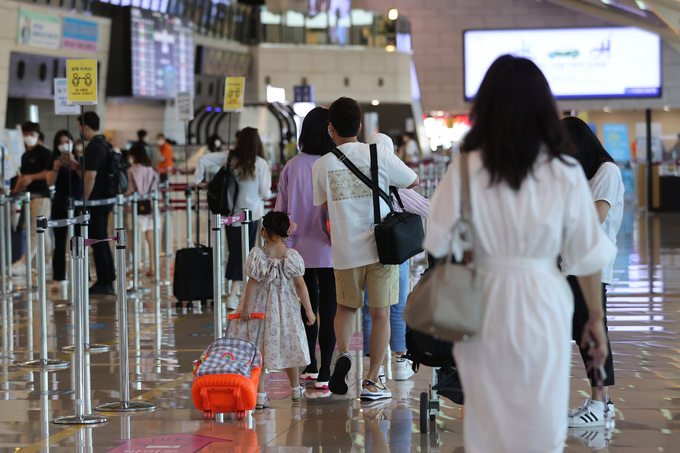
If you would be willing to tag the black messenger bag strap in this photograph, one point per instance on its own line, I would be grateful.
(375, 187)
(362, 177)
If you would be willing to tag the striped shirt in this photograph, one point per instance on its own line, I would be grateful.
(413, 202)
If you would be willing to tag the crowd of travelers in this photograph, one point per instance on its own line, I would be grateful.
(546, 205)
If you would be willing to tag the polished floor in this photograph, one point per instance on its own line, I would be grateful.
(644, 319)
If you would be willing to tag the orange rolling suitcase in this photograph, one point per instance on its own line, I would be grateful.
(227, 375)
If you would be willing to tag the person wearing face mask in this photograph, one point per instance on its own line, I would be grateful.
(78, 148)
(64, 158)
(36, 162)
(214, 145)
(166, 160)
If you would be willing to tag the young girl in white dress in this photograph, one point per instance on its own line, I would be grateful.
(276, 288)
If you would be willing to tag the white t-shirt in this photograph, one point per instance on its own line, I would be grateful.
(607, 185)
(350, 202)
(251, 191)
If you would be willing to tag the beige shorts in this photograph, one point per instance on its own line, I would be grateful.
(381, 281)
(145, 222)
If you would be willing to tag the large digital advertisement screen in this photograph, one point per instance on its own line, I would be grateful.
(578, 63)
(162, 51)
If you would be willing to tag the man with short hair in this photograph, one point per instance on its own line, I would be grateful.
(166, 161)
(349, 203)
(95, 178)
(36, 162)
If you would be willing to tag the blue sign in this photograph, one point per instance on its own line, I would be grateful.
(80, 35)
(616, 141)
(304, 93)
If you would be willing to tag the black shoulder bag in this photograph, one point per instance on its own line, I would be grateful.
(400, 235)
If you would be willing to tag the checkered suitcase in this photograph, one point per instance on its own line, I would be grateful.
(227, 375)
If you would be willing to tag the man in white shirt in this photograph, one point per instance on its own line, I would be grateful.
(349, 204)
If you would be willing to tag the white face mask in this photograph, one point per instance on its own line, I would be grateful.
(218, 143)
(79, 148)
(30, 140)
(66, 147)
(160, 142)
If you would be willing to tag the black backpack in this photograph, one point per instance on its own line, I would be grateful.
(116, 172)
(218, 191)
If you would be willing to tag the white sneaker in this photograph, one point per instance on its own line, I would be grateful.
(309, 376)
(589, 416)
(19, 269)
(402, 391)
(594, 438)
(402, 369)
(381, 375)
(262, 402)
(59, 285)
(232, 302)
(574, 410)
(296, 393)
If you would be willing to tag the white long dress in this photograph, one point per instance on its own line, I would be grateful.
(515, 373)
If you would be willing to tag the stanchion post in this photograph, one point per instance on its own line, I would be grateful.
(3, 255)
(217, 274)
(135, 243)
(124, 405)
(8, 240)
(80, 418)
(156, 238)
(187, 193)
(43, 361)
(245, 243)
(29, 246)
(71, 233)
(167, 228)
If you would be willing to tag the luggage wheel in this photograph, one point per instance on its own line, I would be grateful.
(240, 415)
(208, 415)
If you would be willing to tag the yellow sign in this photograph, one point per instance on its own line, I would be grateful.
(233, 93)
(82, 81)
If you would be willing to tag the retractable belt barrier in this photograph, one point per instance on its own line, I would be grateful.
(44, 362)
(6, 222)
(217, 221)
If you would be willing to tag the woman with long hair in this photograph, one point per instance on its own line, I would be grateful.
(254, 179)
(143, 179)
(606, 185)
(530, 203)
(64, 158)
(312, 240)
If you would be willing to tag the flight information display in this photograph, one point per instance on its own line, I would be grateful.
(578, 63)
(162, 48)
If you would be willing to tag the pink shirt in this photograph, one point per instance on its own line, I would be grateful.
(143, 179)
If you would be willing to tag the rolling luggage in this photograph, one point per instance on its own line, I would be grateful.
(193, 278)
(227, 375)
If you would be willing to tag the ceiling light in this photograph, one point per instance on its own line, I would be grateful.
(375, 102)
(641, 4)
(393, 14)
(390, 48)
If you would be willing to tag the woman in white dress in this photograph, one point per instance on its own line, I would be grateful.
(530, 203)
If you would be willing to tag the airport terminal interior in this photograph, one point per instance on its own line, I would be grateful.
(192, 75)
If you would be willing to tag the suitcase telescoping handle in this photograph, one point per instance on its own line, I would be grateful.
(259, 316)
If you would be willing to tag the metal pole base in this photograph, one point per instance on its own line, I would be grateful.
(92, 347)
(46, 364)
(126, 406)
(80, 420)
(164, 283)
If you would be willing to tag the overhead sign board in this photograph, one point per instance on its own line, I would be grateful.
(304, 93)
(184, 103)
(82, 81)
(38, 29)
(233, 93)
(61, 104)
(80, 35)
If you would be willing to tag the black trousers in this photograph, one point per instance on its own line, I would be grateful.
(581, 316)
(61, 248)
(321, 287)
(233, 234)
(103, 258)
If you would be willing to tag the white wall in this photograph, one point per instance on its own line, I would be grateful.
(326, 67)
(9, 18)
(437, 35)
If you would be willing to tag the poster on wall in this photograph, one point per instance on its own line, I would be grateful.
(80, 35)
(38, 29)
(184, 103)
(233, 94)
(616, 141)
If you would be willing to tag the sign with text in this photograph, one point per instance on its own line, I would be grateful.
(82, 81)
(61, 104)
(304, 93)
(80, 35)
(616, 141)
(39, 30)
(184, 103)
(233, 93)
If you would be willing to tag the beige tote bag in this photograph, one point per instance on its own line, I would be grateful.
(447, 302)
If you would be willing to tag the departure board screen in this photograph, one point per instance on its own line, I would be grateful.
(162, 48)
